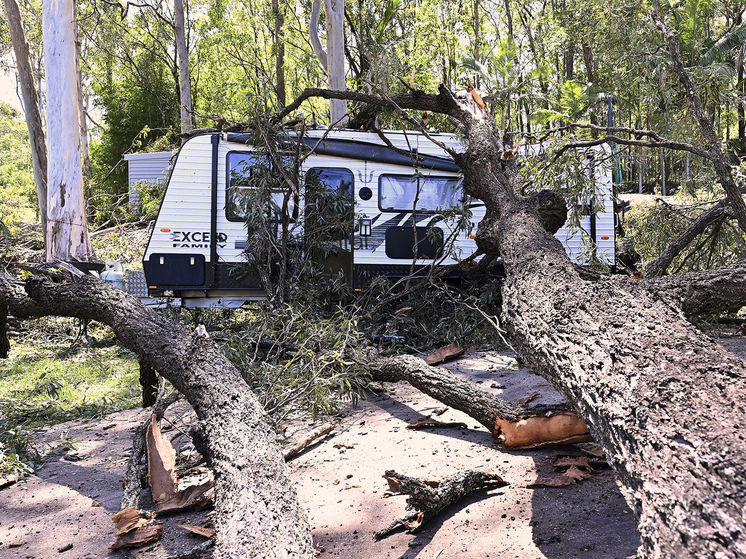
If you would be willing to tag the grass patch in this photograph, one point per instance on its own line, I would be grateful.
(50, 377)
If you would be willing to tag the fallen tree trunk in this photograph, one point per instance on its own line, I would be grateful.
(664, 400)
(257, 509)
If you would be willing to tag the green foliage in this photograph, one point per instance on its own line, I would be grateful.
(19, 455)
(652, 227)
(17, 190)
(437, 313)
(296, 360)
(47, 380)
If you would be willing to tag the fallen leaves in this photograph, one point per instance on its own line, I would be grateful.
(578, 467)
(135, 528)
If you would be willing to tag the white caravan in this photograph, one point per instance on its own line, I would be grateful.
(199, 236)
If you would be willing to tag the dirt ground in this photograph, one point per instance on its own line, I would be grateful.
(65, 510)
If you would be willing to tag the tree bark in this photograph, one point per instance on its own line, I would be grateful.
(334, 11)
(31, 107)
(182, 54)
(280, 56)
(663, 399)
(67, 227)
(257, 510)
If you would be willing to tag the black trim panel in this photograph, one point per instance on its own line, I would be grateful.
(364, 151)
(175, 270)
(400, 242)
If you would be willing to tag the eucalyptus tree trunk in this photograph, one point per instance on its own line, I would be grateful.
(67, 227)
(280, 56)
(83, 100)
(333, 58)
(182, 54)
(335, 40)
(31, 107)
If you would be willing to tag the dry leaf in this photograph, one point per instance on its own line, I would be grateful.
(557, 481)
(574, 461)
(576, 474)
(161, 463)
(442, 354)
(199, 530)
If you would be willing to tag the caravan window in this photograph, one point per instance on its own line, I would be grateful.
(401, 192)
(246, 174)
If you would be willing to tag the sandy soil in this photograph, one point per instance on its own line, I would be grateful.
(340, 482)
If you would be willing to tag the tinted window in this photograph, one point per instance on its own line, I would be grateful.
(246, 172)
(400, 192)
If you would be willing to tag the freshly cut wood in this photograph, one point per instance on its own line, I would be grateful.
(428, 498)
(445, 353)
(161, 463)
(538, 431)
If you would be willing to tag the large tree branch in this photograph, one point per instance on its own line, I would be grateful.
(418, 100)
(257, 510)
(710, 292)
(659, 266)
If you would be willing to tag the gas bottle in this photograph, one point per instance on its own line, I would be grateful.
(114, 275)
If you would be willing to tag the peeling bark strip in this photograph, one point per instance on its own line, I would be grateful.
(257, 509)
(428, 498)
(513, 425)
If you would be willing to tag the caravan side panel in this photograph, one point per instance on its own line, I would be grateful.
(180, 241)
